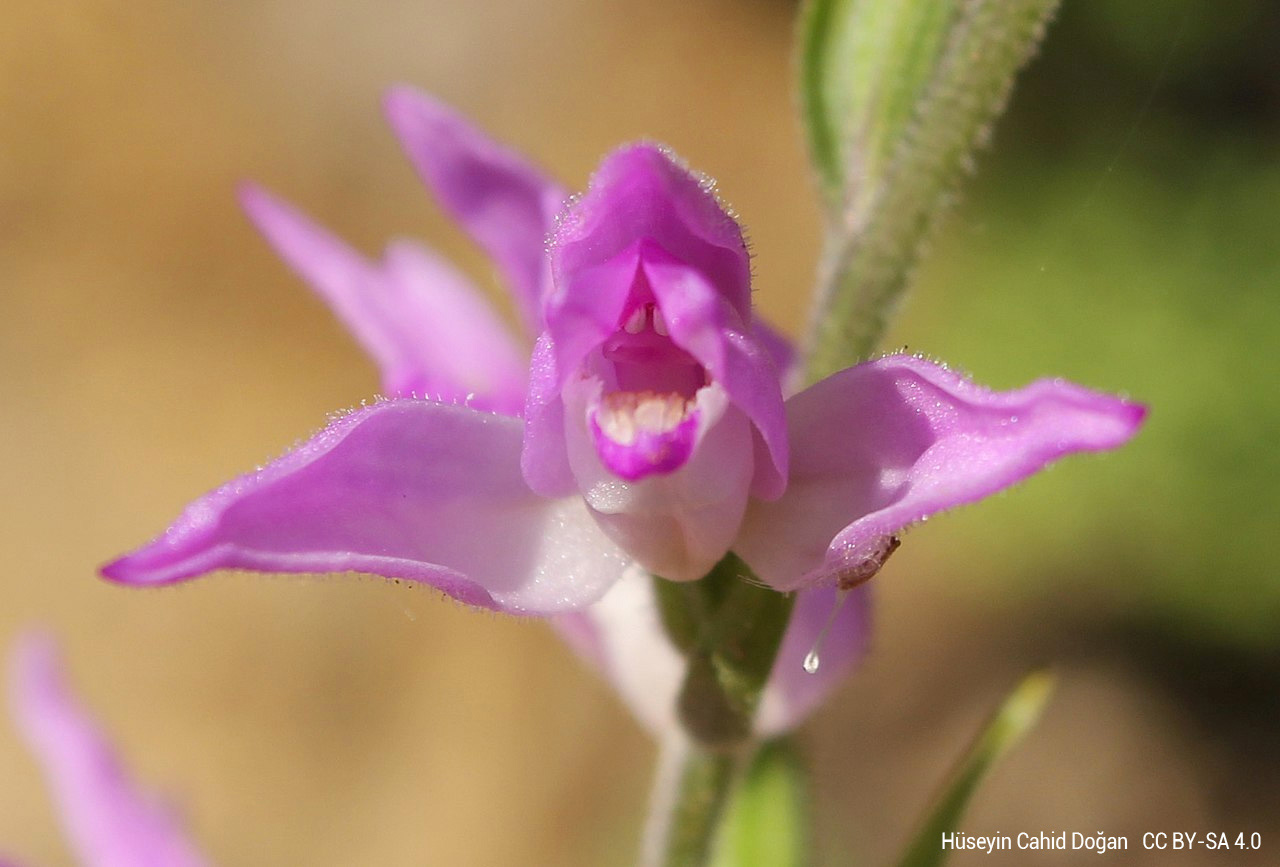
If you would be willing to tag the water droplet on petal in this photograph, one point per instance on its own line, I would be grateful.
(811, 659)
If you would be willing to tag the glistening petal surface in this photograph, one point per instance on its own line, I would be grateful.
(888, 443)
(107, 821)
(680, 524)
(404, 489)
(506, 204)
(430, 332)
(642, 192)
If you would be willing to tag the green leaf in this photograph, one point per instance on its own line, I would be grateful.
(863, 65)
(896, 96)
(766, 825)
(1014, 719)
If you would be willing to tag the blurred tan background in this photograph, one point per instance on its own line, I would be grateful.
(1122, 232)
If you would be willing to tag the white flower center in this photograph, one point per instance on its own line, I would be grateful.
(624, 415)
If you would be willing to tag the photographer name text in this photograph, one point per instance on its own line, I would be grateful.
(1099, 842)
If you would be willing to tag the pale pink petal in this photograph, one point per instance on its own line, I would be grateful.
(405, 489)
(650, 232)
(885, 444)
(581, 319)
(643, 192)
(427, 328)
(676, 525)
(107, 820)
(792, 692)
(507, 205)
(622, 638)
(703, 324)
(456, 336)
(545, 457)
(348, 283)
(781, 351)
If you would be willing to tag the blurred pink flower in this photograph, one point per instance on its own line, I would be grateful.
(648, 435)
(108, 822)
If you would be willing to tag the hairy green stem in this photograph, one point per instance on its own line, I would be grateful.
(688, 805)
(898, 94)
(728, 627)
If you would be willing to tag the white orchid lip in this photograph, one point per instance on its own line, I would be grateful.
(644, 433)
(645, 422)
(625, 416)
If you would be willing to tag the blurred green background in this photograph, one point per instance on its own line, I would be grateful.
(1121, 231)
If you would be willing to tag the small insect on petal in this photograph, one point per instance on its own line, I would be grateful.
(860, 573)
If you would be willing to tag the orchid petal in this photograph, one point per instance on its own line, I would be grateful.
(403, 489)
(108, 822)
(545, 457)
(644, 192)
(643, 436)
(838, 631)
(642, 203)
(781, 351)
(507, 205)
(649, 229)
(680, 524)
(621, 636)
(888, 443)
(339, 275)
(457, 337)
(429, 330)
(704, 325)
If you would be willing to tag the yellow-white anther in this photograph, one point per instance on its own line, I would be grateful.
(624, 415)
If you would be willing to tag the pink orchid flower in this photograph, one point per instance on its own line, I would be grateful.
(648, 434)
(107, 821)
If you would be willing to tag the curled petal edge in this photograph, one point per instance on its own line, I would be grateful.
(887, 444)
(404, 489)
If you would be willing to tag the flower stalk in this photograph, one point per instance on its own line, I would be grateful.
(689, 802)
(729, 628)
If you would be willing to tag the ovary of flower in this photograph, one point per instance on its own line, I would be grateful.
(649, 427)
